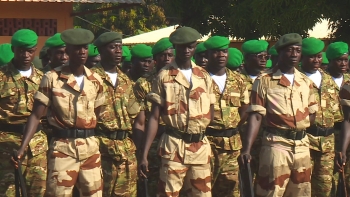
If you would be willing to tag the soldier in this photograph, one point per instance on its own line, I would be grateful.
(6, 54)
(320, 134)
(142, 60)
(93, 57)
(114, 126)
(235, 59)
(182, 95)
(72, 96)
(325, 61)
(162, 55)
(284, 97)
(274, 56)
(200, 55)
(126, 60)
(56, 51)
(19, 82)
(223, 133)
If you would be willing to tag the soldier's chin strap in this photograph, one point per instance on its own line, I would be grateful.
(20, 185)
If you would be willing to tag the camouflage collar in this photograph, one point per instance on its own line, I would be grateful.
(121, 77)
(35, 75)
(298, 77)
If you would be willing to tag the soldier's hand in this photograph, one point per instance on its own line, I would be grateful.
(243, 159)
(339, 161)
(143, 168)
(14, 160)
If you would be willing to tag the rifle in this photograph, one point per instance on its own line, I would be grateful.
(20, 185)
(341, 187)
(145, 182)
(245, 179)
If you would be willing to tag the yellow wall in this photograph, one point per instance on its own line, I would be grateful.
(40, 10)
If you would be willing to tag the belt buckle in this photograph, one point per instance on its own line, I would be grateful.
(80, 133)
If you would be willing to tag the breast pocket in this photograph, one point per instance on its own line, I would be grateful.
(234, 99)
(277, 100)
(174, 99)
(62, 100)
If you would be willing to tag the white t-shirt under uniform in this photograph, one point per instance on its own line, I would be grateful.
(113, 77)
(220, 81)
(315, 77)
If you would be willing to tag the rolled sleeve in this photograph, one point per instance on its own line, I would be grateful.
(157, 94)
(100, 98)
(43, 95)
(212, 96)
(244, 95)
(313, 106)
(140, 95)
(156, 99)
(258, 98)
(257, 108)
(345, 102)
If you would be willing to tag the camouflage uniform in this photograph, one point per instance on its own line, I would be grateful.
(185, 109)
(226, 149)
(322, 147)
(16, 103)
(118, 155)
(284, 165)
(72, 161)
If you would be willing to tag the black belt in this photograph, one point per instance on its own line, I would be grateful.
(187, 137)
(73, 133)
(319, 131)
(16, 128)
(287, 133)
(221, 133)
(337, 125)
(113, 135)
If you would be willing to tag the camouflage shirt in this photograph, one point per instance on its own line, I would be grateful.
(114, 115)
(226, 115)
(17, 94)
(283, 105)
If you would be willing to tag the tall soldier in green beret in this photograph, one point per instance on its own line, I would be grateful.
(93, 57)
(6, 54)
(274, 56)
(72, 96)
(163, 54)
(56, 51)
(142, 61)
(230, 106)
(320, 134)
(200, 55)
(114, 129)
(126, 60)
(283, 101)
(43, 56)
(235, 59)
(19, 82)
(182, 95)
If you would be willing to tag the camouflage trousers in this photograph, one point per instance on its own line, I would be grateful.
(322, 158)
(284, 167)
(225, 173)
(195, 179)
(119, 167)
(34, 166)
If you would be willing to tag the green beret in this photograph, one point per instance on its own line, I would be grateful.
(268, 64)
(254, 46)
(126, 51)
(312, 46)
(324, 58)
(200, 48)
(78, 36)
(92, 51)
(43, 52)
(108, 37)
(287, 40)
(184, 35)
(55, 41)
(217, 42)
(6, 54)
(161, 45)
(127, 58)
(24, 38)
(272, 51)
(141, 51)
(336, 49)
(235, 58)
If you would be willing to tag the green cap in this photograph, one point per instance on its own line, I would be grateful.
(43, 52)
(200, 48)
(37, 63)
(217, 42)
(92, 51)
(78, 36)
(6, 53)
(161, 45)
(24, 38)
(336, 49)
(254, 46)
(141, 51)
(268, 64)
(126, 51)
(272, 51)
(312, 46)
(127, 58)
(287, 40)
(184, 35)
(235, 58)
(55, 41)
(108, 37)
(324, 58)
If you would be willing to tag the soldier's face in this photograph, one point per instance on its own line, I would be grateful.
(257, 61)
(184, 52)
(112, 52)
(164, 58)
(58, 56)
(340, 64)
(201, 59)
(142, 65)
(77, 53)
(24, 56)
(218, 57)
(92, 61)
(312, 62)
(290, 56)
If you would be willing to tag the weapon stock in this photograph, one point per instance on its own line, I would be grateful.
(20, 185)
(341, 188)
(245, 179)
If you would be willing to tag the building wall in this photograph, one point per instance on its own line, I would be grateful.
(38, 10)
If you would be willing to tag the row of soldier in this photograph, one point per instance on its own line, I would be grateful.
(181, 124)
